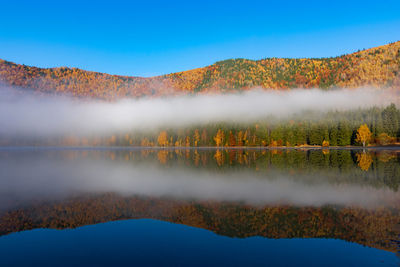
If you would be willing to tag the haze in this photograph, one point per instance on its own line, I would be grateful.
(30, 177)
(45, 116)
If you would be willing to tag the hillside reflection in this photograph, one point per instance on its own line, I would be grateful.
(377, 228)
(351, 195)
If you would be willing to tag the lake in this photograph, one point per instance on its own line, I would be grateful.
(196, 207)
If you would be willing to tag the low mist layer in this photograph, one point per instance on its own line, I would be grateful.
(30, 177)
(41, 116)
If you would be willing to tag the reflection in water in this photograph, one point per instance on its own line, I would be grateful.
(364, 160)
(148, 242)
(375, 228)
(302, 178)
(351, 195)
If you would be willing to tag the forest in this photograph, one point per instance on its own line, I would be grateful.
(375, 67)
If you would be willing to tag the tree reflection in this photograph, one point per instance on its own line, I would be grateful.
(364, 160)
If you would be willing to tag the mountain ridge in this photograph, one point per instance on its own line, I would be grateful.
(377, 67)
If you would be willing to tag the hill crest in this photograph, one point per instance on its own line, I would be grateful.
(378, 67)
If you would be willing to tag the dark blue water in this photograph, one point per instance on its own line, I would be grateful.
(147, 242)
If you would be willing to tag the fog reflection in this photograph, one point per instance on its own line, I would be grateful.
(254, 177)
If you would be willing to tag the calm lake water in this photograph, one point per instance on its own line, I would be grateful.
(188, 207)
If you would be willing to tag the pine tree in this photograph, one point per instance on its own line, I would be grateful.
(316, 135)
(344, 134)
(333, 135)
(300, 135)
(390, 120)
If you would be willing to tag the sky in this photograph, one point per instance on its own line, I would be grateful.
(148, 38)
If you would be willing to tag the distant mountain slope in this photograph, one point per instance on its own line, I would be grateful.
(378, 66)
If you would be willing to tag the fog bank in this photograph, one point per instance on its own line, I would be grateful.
(44, 116)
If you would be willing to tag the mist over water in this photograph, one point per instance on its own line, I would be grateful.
(47, 116)
(46, 176)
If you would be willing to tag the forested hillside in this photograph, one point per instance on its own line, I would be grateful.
(378, 66)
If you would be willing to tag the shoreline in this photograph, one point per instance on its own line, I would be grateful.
(10, 148)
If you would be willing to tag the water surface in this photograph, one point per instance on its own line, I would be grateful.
(199, 206)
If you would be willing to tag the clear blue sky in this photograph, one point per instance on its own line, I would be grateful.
(145, 38)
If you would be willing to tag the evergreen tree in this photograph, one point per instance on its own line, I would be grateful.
(378, 127)
(277, 134)
(300, 134)
(333, 135)
(316, 134)
(344, 134)
(390, 120)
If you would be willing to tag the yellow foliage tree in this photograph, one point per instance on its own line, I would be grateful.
(325, 143)
(196, 138)
(163, 139)
(219, 138)
(363, 134)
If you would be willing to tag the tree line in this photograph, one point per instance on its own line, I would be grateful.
(378, 126)
(373, 126)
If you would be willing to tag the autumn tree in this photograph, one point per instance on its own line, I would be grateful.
(232, 139)
(163, 139)
(240, 138)
(363, 134)
(384, 139)
(325, 143)
(219, 138)
(145, 142)
(196, 138)
(187, 141)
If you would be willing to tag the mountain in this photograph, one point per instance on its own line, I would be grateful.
(379, 66)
